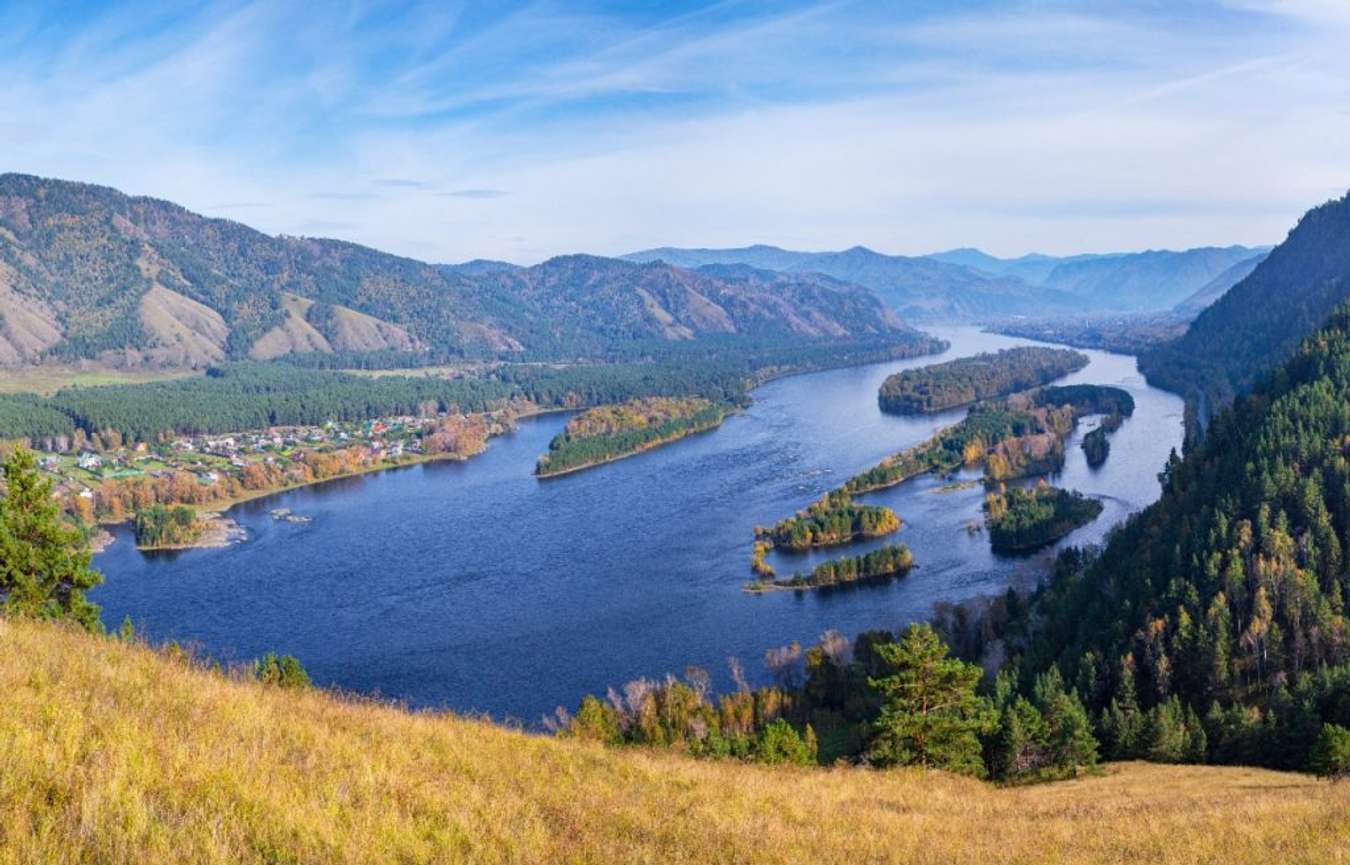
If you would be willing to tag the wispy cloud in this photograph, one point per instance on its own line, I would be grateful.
(402, 183)
(474, 193)
(1044, 124)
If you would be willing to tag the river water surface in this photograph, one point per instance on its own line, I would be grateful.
(476, 587)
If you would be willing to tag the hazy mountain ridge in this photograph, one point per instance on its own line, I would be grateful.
(1145, 281)
(917, 288)
(1259, 322)
(88, 272)
(1217, 287)
(969, 284)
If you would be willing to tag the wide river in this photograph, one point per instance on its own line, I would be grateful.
(476, 587)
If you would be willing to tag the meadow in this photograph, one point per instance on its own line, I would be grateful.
(113, 752)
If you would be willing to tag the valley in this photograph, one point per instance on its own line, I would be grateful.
(608, 432)
(465, 622)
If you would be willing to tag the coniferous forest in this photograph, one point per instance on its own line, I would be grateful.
(969, 379)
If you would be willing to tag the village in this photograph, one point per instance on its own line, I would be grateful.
(109, 485)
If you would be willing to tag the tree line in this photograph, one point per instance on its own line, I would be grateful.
(232, 397)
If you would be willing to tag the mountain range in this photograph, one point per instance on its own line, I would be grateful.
(88, 272)
(967, 284)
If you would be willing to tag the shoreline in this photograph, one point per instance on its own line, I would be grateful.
(217, 509)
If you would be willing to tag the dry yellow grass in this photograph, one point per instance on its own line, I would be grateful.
(115, 754)
(49, 378)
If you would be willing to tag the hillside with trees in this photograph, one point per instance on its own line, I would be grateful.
(966, 380)
(88, 272)
(1213, 627)
(1261, 320)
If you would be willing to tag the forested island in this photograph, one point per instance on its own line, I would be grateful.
(1096, 448)
(1019, 436)
(831, 520)
(606, 433)
(886, 562)
(1024, 519)
(158, 527)
(966, 380)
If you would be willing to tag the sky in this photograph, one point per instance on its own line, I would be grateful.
(448, 131)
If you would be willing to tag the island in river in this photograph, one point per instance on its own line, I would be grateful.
(611, 432)
(883, 563)
(941, 386)
(1026, 519)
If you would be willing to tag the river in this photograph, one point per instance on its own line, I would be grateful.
(476, 587)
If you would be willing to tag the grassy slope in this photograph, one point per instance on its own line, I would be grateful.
(117, 754)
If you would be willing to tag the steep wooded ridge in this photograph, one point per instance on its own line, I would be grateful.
(88, 272)
(1260, 321)
(1222, 607)
(967, 284)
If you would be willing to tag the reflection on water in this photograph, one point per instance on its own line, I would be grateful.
(474, 586)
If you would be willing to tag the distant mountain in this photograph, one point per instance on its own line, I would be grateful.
(1149, 281)
(1219, 285)
(968, 284)
(918, 288)
(1260, 321)
(480, 266)
(88, 272)
(1144, 281)
(1033, 268)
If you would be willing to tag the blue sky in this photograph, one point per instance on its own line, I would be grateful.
(451, 131)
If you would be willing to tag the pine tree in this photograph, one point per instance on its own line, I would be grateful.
(930, 714)
(1330, 755)
(44, 563)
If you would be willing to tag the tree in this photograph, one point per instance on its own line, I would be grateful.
(930, 715)
(595, 721)
(283, 671)
(780, 743)
(1330, 755)
(44, 563)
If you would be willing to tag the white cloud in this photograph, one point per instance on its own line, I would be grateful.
(1032, 128)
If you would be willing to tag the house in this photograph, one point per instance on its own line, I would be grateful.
(89, 461)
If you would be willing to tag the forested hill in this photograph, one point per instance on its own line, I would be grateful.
(1260, 321)
(88, 272)
(1224, 603)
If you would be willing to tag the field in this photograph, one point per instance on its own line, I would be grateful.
(48, 379)
(114, 753)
